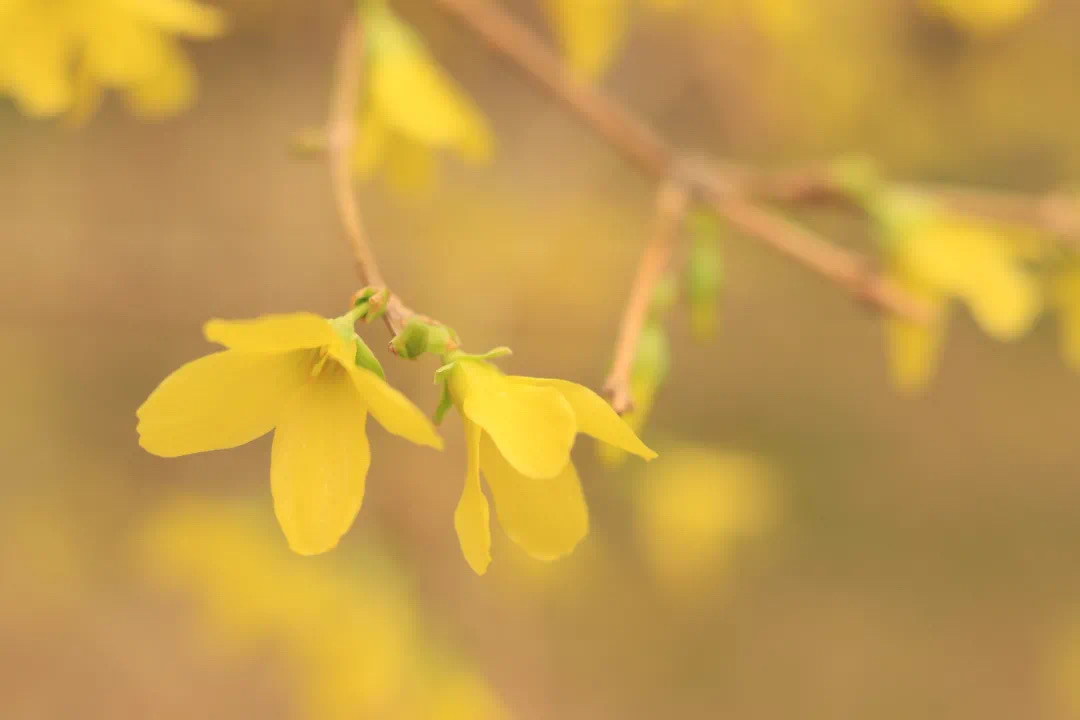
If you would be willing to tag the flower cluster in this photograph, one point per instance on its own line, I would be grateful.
(313, 382)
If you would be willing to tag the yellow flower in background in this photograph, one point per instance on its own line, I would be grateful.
(412, 108)
(590, 32)
(693, 507)
(983, 16)
(298, 375)
(348, 627)
(1065, 292)
(937, 257)
(518, 433)
(56, 56)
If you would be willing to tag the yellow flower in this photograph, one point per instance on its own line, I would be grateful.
(296, 374)
(57, 55)
(643, 390)
(412, 108)
(519, 432)
(591, 31)
(938, 257)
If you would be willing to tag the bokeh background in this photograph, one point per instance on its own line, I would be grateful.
(809, 544)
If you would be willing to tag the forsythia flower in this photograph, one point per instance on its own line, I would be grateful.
(590, 31)
(57, 55)
(939, 257)
(296, 374)
(412, 108)
(519, 432)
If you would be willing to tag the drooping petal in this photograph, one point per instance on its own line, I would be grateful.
(595, 416)
(319, 462)
(272, 333)
(533, 427)
(219, 401)
(472, 518)
(35, 54)
(371, 139)
(914, 348)
(178, 16)
(394, 411)
(548, 517)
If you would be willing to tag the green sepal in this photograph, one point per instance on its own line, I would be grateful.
(445, 403)
(364, 358)
(451, 358)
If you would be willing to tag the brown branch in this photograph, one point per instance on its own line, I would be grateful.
(1056, 212)
(340, 141)
(672, 202)
(652, 154)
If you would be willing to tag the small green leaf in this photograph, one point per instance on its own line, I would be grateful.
(366, 359)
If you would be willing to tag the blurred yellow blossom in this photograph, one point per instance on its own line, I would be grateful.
(412, 107)
(350, 627)
(936, 257)
(693, 507)
(983, 16)
(519, 432)
(591, 32)
(1066, 295)
(56, 56)
(297, 374)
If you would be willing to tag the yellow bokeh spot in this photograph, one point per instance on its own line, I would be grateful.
(694, 506)
(983, 16)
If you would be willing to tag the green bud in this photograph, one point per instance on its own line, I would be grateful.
(419, 336)
(898, 214)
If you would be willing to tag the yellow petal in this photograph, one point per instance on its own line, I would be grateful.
(595, 416)
(533, 427)
(1005, 303)
(272, 333)
(420, 101)
(168, 90)
(643, 391)
(319, 462)
(178, 16)
(472, 518)
(120, 50)
(394, 411)
(219, 401)
(548, 517)
(35, 55)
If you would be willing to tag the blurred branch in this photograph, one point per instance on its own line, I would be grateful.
(655, 156)
(340, 141)
(1056, 213)
(672, 202)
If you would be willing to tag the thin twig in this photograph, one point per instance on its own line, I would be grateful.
(340, 141)
(672, 202)
(652, 154)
